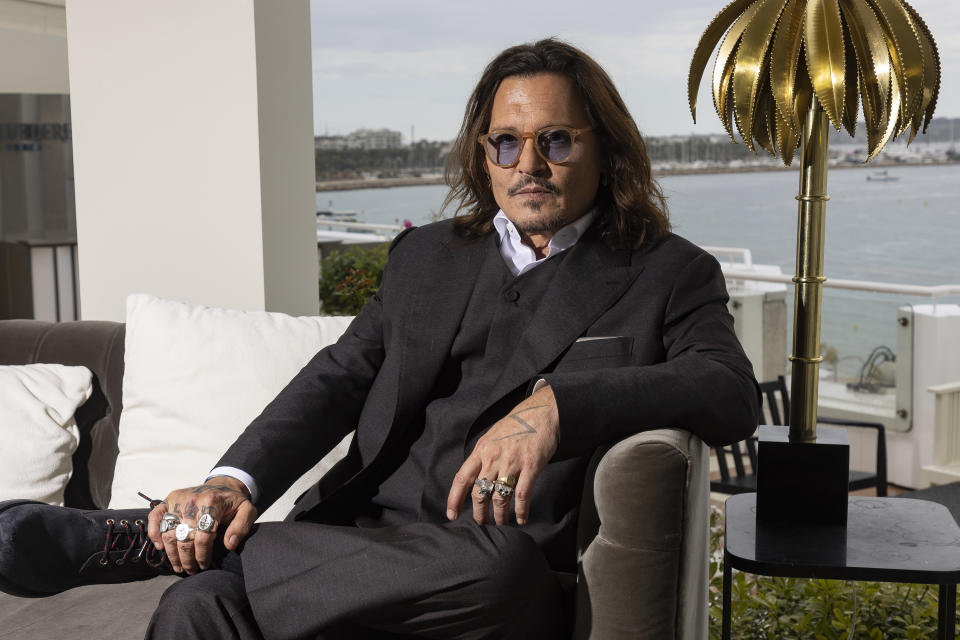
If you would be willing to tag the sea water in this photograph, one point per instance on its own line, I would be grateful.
(903, 231)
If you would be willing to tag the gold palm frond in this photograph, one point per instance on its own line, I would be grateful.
(777, 55)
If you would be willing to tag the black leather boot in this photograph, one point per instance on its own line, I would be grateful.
(46, 549)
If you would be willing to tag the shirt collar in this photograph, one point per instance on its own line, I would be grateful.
(519, 257)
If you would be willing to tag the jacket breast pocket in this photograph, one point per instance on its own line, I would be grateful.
(596, 353)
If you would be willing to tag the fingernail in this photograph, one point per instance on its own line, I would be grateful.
(233, 540)
(451, 514)
(158, 546)
(521, 521)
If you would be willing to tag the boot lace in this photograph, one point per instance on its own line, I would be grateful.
(132, 539)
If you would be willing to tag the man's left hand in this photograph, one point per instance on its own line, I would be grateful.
(517, 447)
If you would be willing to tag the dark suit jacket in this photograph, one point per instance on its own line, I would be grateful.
(665, 356)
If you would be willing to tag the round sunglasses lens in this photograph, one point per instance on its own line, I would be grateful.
(503, 148)
(555, 144)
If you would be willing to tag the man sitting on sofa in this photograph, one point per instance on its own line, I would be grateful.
(555, 314)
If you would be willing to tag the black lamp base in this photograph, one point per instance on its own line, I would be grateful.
(802, 482)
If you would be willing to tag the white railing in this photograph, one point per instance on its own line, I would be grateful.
(359, 226)
(746, 258)
(935, 291)
(946, 434)
(743, 271)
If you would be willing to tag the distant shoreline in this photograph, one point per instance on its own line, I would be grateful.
(411, 181)
(376, 183)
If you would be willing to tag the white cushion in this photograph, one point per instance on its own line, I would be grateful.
(38, 431)
(194, 378)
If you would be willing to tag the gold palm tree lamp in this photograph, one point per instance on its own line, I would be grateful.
(785, 70)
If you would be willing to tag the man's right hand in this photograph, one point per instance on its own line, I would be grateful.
(226, 499)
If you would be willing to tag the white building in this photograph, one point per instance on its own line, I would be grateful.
(374, 139)
(361, 139)
(330, 143)
(204, 146)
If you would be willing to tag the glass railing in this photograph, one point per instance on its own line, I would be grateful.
(868, 330)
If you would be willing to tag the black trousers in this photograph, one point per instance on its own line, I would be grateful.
(306, 580)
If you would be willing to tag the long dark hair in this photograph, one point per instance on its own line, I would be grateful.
(631, 208)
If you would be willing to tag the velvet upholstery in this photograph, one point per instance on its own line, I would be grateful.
(643, 540)
(96, 611)
(99, 347)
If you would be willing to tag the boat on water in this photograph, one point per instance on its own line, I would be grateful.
(340, 216)
(882, 176)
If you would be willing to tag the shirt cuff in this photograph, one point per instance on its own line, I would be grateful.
(242, 476)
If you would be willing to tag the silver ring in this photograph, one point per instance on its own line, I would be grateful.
(484, 487)
(503, 490)
(206, 523)
(169, 522)
(183, 532)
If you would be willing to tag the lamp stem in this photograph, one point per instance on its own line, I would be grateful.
(808, 288)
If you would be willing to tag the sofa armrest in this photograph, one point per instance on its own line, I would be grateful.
(643, 540)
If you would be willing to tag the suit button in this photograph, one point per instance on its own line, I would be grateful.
(512, 295)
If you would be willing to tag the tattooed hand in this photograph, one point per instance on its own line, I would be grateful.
(224, 499)
(518, 445)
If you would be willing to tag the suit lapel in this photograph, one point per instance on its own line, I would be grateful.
(428, 319)
(591, 278)
(445, 284)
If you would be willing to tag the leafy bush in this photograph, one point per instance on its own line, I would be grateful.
(765, 608)
(348, 278)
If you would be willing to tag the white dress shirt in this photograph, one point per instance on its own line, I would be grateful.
(519, 258)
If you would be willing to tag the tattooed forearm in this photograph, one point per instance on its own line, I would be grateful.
(538, 406)
(527, 427)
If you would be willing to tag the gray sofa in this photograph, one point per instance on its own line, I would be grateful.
(642, 532)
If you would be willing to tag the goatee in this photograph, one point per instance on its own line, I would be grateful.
(551, 222)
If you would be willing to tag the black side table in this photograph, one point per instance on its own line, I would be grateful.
(885, 540)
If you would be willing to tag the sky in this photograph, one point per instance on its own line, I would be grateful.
(396, 64)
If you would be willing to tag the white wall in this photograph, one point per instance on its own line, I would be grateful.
(284, 76)
(33, 47)
(935, 361)
(32, 62)
(936, 334)
(193, 144)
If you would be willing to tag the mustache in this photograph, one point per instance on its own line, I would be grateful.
(543, 183)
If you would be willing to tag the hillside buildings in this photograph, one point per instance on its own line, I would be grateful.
(361, 139)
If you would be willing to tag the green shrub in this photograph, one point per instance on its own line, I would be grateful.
(765, 608)
(348, 278)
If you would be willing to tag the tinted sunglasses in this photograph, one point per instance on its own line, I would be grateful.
(553, 143)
